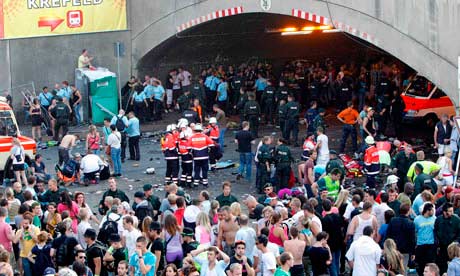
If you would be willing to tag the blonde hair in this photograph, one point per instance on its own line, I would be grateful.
(453, 250)
(202, 219)
(235, 209)
(392, 256)
(342, 198)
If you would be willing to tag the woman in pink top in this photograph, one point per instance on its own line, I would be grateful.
(203, 229)
(277, 234)
(66, 204)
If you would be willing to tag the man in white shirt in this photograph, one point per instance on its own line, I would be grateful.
(91, 165)
(322, 147)
(364, 254)
(247, 234)
(130, 235)
(380, 210)
(185, 77)
(267, 260)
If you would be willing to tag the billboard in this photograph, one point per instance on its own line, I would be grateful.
(32, 18)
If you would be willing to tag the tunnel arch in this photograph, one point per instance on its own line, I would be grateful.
(410, 42)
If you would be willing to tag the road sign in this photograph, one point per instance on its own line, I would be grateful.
(266, 4)
(20, 18)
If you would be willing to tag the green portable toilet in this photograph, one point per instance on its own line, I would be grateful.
(98, 89)
(103, 93)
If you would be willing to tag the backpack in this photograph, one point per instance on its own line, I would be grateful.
(119, 124)
(144, 211)
(108, 227)
(62, 113)
(69, 168)
(62, 253)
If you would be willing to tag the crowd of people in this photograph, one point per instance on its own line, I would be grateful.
(305, 222)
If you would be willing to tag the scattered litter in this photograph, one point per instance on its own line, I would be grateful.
(98, 192)
(130, 187)
(150, 171)
(136, 165)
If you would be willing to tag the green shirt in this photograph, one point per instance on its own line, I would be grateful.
(36, 221)
(226, 200)
(293, 110)
(283, 155)
(280, 272)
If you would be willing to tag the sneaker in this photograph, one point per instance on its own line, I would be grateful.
(239, 176)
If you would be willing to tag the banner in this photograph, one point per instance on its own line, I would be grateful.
(31, 18)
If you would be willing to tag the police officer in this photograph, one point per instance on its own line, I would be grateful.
(149, 92)
(268, 102)
(198, 91)
(184, 101)
(283, 159)
(241, 101)
(319, 120)
(252, 113)
(282, 111)
(200, 144)
(213, 132)
(61, 112)
(265, 159)
(139, 101)
(191, 115)
(282, 92)
(335, 163)
(310, 116)
(169, 148)
(292, 120)
(186, 160)
(236, 84)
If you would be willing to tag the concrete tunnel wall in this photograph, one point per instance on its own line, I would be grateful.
(421, 33)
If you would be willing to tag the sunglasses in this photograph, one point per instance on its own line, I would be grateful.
(82, 257)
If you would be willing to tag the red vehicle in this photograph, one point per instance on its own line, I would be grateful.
(425, 102)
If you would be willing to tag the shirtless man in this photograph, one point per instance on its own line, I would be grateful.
(227, 231)
(296, 247)
(67, 143)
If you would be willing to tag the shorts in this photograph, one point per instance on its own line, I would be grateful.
(186, 88)
(441, 148)
(176, 93)
(448, 180)
(18, 167)
(169, 96)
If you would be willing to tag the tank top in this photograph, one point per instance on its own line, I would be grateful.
(205, 236)
(93, 142)
(362, 223)
(442, 162)
(35, 110)
(369, 126)
(174, 245)
(274, 239)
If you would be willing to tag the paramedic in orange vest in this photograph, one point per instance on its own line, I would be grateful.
(371, 162)
(213, 132)
(186, 160)
(200, 144)
(169, 148)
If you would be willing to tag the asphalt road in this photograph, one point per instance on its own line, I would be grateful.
(134, 176)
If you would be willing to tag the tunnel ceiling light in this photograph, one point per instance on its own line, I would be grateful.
(289, 29)
(296, 33)
(332, 31)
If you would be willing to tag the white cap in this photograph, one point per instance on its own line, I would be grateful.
(198, 127)
(213, 120)
(168, 127)
(392, 179)
(369, 140)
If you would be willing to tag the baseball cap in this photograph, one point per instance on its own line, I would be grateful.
(139, 194)
(188, 232)
(147, 187)
(155, 225)
(114, 237)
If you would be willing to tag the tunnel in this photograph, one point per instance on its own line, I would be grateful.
(257, 37)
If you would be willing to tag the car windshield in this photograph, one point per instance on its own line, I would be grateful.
(420, 87)
(7, 125)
